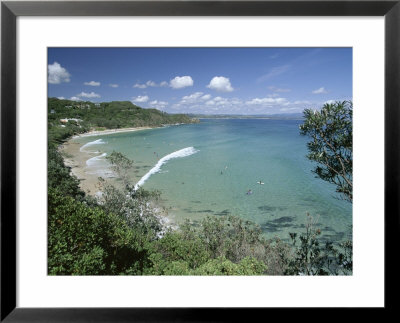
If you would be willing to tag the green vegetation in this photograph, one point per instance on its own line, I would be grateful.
(86, 240)
(109, 115)
(120, 165)
(123, 232)
(310, 258)
(331, 130)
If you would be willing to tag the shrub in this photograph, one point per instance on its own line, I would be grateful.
(88, 241)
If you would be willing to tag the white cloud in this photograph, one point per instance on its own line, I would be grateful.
(267, 101)
(277, 89)
(225, 102)
(140, 98)
(192, 98)
(294, 109)
(321, 90)
(113, 85)
(192, 101)
(57, 74)
(211, 102)
(201, 103)
(75, 98)
(140, 86)
(330, 102)
(150, 84)
(220, 83)
(61, 98)
(158, 104)
(92, 83)
(88, 95)
(180, 82)
(302, 102)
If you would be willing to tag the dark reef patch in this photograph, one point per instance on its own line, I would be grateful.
(279, 223)
(204, 211)
(222, 213)
(269, 208)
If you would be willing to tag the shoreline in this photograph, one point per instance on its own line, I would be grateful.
(76, 159)
(110, 132)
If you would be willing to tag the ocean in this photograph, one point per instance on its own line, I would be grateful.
(216, 167)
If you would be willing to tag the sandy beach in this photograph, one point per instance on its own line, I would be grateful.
(76, 159)
(111, 131)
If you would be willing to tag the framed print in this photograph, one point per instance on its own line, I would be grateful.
(252, 109)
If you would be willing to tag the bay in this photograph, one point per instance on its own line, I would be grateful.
(209, 168)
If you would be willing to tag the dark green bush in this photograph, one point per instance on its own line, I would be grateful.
(87, 241)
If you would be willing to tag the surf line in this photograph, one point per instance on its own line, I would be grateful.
(176, 154)
(92, 161)
(96, 142)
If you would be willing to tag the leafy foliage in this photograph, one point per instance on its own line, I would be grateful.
(332, 144)
(173, 250)
(59, 176)
(220, 266)
(121, 165)
(228, 239)
(175, 255)
(87, 241)
(136, 208)
(310, 258)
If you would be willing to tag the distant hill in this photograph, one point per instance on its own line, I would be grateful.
(281, 116)
(110, 115)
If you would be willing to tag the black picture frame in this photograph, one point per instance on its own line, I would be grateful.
(10, 10)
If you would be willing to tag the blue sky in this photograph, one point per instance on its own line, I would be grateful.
(204, 80)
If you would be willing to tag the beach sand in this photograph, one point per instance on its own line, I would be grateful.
(76, 159)
(111, 131)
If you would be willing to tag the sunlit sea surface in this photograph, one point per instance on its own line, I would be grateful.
(209, 168)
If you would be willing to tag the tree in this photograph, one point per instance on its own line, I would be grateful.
(310, 257)
(331, 131)
(139, 209)
(120, 165)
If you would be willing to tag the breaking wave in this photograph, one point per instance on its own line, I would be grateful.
(176, 154)
(96, 142)
(94, 161)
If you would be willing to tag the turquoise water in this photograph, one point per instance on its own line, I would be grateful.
(223, 160)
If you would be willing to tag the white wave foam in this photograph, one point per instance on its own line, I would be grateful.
(176, 154)
(94, 161)
(96, 142)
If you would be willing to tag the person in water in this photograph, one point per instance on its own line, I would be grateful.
(249, 192)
